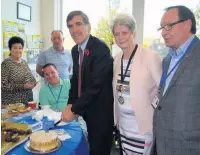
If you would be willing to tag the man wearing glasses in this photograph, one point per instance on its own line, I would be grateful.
(176, 118)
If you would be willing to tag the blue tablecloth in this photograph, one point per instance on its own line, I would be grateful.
(76, 145)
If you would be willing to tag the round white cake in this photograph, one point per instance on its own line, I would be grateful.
(43, 141)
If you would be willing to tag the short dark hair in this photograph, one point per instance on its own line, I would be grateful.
(49, 64)
(185, 13)
(14, 40)
(78, 13)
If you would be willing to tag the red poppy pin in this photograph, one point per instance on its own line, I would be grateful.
(87, 52)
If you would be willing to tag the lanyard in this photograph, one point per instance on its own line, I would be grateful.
(58, 95)
(164, 78)
(129, 61)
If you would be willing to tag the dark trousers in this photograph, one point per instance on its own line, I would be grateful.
(100, 135)
(100, 142)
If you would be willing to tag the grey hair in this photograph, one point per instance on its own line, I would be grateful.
(123, 20)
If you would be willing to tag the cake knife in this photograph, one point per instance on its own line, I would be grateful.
(55, 124)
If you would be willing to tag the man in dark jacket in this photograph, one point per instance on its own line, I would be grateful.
(91, 94)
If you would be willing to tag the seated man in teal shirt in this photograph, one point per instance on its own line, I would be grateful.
(56, 92)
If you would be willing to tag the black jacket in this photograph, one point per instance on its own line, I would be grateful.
(96, 100)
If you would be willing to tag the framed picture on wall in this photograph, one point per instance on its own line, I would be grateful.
(23, 12)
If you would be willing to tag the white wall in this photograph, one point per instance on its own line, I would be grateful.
(47, 22)
(45, 16)
(50, 19)
(9, 12)
(138, 13)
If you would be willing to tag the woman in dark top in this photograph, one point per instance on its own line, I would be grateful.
(17, 80)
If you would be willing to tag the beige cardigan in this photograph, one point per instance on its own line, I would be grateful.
(146, 70)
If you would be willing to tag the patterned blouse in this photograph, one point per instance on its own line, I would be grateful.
(13, 77)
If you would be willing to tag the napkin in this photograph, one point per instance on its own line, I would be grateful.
(50, 114)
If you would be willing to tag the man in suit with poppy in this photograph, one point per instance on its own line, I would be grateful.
(91, 94)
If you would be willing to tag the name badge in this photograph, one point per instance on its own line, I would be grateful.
(155, 102)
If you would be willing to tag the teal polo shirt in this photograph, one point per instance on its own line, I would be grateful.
(49, 95)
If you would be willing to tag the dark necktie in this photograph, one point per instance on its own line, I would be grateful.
(79, 71)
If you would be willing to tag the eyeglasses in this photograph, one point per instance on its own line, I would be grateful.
(169, 26)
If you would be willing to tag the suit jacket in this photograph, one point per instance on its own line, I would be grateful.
(96, 101)
(146, 70)
(176, 119)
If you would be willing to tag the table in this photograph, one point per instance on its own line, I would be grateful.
(76, 145)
